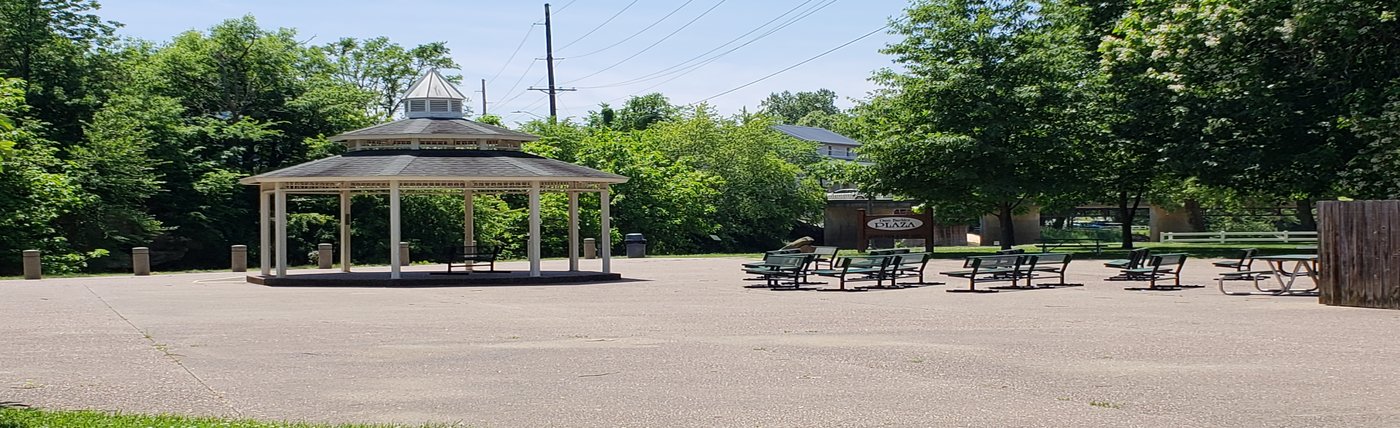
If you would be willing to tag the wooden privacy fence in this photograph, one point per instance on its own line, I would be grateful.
(1232, 237)
(1359, 253)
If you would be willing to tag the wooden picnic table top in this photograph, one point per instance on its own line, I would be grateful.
(1288, 257)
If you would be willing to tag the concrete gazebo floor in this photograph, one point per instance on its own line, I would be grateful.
(683, 343)
(430, 276)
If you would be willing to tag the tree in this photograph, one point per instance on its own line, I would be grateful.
(984, 117)
(55, 48)
(791, 108)
(640, 112)
(385, 69)
(1273, 89)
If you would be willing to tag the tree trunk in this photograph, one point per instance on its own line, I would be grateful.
(1195, 215)
(1008, 231)
(1305, 214)
(1125, 219)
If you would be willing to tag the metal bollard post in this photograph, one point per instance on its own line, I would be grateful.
(323, 256)
(238, 258)
(32, 268)
(590, 248)
(141, 261)
(403, 254)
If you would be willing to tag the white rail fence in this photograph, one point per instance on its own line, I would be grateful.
(1233, 237)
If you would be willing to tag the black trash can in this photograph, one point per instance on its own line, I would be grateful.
(636, 245)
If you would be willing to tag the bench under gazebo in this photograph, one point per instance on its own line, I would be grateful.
(433, 150)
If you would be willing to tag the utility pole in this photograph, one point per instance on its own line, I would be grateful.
(483, 97)
(552, 90)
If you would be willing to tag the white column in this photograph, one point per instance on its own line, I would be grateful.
(344, 229)
(281, 224)
(394, 230)
(534, 250)
(468, 217)
(264, 233)
(605, 241)
(573, 231)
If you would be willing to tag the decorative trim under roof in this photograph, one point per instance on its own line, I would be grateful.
(466, 165)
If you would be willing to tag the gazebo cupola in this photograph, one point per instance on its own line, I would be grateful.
(432, 96)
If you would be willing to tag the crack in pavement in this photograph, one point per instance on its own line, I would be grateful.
(164, 351)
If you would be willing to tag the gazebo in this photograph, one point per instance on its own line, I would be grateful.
(433, 150)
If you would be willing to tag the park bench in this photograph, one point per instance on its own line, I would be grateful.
(1050, 244)
(978, 269)
(471, 257)
(1136, 258)
(778, 267)
(825, 255)
(863, 267)
(1158, 268)
(909, 266)
(1244, 262)
(1053, 264)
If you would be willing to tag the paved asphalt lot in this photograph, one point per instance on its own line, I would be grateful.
(684, 344)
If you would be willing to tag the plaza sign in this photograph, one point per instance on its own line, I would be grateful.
(894, 223)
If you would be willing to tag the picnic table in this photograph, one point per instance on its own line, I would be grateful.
(1050, 244)
(1303, 265)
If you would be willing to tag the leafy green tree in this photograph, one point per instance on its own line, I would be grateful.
(984, 115)
(385, 69)
(792, 108)
(35, 193)
(641, 112)
(55, 48)
(1274, 88)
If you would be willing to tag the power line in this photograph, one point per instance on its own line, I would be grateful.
(521, 78)
(677, 30)
(605, 22)
(639, 32)
(683, 68)
(828, 51)
(565, 6)
(512, 54)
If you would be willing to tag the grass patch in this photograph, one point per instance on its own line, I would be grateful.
(37, 418)
(1105, 404)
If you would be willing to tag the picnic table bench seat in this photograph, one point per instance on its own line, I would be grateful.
(1243, 275)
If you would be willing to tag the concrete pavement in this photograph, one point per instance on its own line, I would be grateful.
(684, 344)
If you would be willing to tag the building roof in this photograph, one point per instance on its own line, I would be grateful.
(435, 127)
(820, 135)
(433, 85)
(437, 165)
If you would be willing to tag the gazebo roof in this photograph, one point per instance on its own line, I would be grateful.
(437, 165)
(434, 128)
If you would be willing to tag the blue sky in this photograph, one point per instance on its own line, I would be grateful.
(483, 35)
